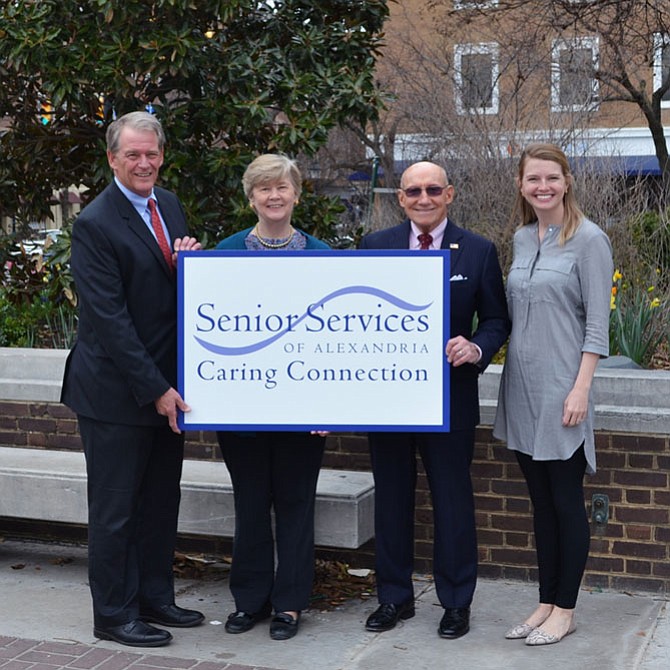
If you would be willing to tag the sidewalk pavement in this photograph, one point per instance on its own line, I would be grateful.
(46, 625)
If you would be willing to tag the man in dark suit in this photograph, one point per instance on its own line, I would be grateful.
(120, 379)
(476, 289)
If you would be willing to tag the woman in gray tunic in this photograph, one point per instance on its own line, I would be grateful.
(558, 293)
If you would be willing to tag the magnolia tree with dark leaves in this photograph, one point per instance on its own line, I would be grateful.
(229, 79)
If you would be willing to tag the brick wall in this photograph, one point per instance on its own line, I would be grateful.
(630, 552)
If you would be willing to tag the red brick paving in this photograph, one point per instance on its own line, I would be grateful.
(19, 654)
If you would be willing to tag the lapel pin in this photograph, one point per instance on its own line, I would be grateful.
(453, 245)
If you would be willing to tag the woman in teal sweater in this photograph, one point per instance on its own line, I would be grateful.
(272, 470)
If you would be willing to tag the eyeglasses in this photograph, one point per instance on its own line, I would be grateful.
(416, 191)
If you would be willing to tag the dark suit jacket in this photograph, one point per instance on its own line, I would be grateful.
(480, 292)
(125, 355)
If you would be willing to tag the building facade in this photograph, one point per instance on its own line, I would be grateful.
(593, 76)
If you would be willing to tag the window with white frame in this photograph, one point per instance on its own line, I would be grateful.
(474, 4)
(476, 78)
(573, 83)
(662, 64)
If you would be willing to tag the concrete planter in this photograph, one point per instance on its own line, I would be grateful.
(31, 374)
(627, 401)
(631, 401)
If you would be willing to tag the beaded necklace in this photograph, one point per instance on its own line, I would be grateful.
(272, 245)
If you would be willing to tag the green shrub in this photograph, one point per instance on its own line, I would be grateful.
(37, 298)
(638, 320)
(650, 233)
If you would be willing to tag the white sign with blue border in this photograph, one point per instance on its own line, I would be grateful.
(307, 340)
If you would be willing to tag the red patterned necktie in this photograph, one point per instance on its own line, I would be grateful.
(425, 240)
(160, 235)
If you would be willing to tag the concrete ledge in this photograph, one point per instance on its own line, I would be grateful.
(51, 486)
(627, 401)
(31, 374)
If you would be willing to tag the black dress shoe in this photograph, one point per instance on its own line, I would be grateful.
(241, 622)
(386, 616)
(455, 622)
(134, 634)
(283, 626)
(172, 615)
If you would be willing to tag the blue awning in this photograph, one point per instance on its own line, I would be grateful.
(642, 165)
(360, 175)
(628, 165)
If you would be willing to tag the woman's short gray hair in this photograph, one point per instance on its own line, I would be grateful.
(271, 167)
(140, 121)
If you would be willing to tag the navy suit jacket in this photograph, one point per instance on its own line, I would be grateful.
(480, 292)
(126, 351)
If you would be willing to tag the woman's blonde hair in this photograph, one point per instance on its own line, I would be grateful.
(572, 214)
(271, 167)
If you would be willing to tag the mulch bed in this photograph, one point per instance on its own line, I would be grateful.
(335, 582)
(661, 359)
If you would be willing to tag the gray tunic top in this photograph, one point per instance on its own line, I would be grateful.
(559, 303)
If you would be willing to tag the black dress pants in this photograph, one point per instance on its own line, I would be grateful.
(562, 533)
(273, 471)
(446, 459)
(133, 504)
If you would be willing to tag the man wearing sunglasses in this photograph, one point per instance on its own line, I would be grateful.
(476, 288)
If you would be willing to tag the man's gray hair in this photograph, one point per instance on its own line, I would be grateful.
(141, 121)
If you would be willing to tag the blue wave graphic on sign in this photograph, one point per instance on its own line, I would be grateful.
(347, 290)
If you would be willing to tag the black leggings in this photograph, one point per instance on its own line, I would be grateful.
(562, 532)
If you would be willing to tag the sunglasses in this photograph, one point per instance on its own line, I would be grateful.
(431, 191)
